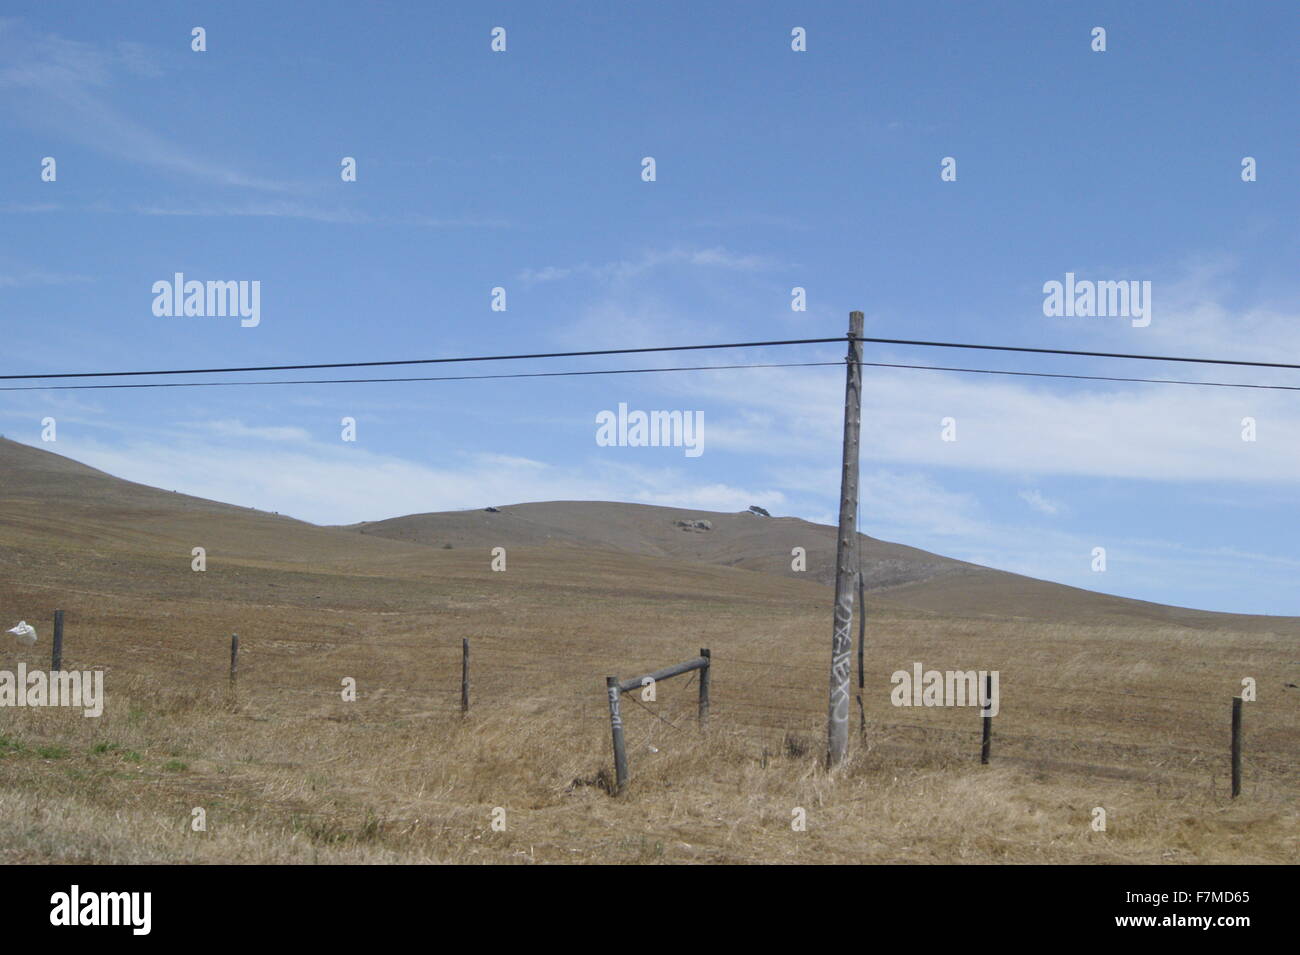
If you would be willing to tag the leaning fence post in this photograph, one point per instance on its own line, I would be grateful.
(234, 658)
(616, 730)
(988, 718)
(704, 687)
(56, 662)
(1236, 747)
(464, 675)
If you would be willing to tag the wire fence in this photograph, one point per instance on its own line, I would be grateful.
(1100, 733)
(1084, 727)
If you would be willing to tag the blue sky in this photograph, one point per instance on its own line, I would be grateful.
(775, 169)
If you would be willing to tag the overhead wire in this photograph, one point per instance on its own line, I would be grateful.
(639, 371)
(315, 366)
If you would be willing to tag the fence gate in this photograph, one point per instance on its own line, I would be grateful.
(617, 688)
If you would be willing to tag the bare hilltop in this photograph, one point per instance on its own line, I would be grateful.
(1106, 702)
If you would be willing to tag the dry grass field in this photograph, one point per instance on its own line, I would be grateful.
(1105, 703)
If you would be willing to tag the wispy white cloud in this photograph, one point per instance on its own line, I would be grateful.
(645, 320)
(912, 507)
(1200, 308)
(284, 469)
(1034, 498)
(29, 279)
(1024, 427)
(267, 209)
(749, 220)
(64, 85)
(283, 209)
(21, 208)
(711, 258)
(1150, 432)
(232, 428)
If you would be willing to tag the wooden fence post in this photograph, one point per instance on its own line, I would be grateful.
(56, 661)
(1236, 747)
(234, 658)
(464, 675)
(704, 687)
(988, 719)
(616, 730)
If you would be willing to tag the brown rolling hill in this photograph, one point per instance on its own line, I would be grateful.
(903, 576)
(1108, 702)
(47, 497)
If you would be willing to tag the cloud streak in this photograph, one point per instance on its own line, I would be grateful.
(283, 469)
(63, 85)
(625, 269)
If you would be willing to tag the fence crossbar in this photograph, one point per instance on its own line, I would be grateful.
(695, 663)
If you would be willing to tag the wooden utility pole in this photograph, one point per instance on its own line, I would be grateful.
(837, 728)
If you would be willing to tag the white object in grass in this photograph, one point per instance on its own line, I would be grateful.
(25, 632)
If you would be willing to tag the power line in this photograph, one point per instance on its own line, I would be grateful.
(351, 381)
(644, 371)
(424, 361)
(1083, 354)
(665, 348)
(1044, 374)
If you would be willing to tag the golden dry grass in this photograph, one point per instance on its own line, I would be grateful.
(1132, 718)
(1129, 720)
